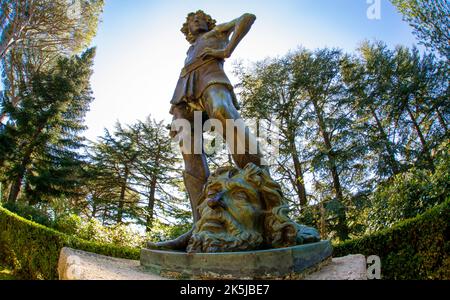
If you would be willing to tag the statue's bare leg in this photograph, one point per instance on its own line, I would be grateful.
(219, 105)
(195, 176)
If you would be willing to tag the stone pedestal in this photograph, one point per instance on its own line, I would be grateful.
(286, 263)
(80, 265)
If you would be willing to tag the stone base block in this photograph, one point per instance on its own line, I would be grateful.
(80, 265)
(286, 263)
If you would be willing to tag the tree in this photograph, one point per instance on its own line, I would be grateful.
(135, 175)
(114, 156)
(305, 92)
(35, 32)
(57, 25)
(157, 172)
(43, 134)
(269, 92)
(417, 90)
(368, 80)
(429, 18)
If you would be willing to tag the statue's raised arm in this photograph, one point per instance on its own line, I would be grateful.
(239, 27)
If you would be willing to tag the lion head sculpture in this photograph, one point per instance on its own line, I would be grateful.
(242, 210)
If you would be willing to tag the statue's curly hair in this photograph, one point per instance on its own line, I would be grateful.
(279, 230)
(185, 29)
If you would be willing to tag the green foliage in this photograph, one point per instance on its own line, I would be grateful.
(31, 24)
(352, 122)
(417, 248)
(32, 250)
(163, 232)
(43, 160)
(429, 18)
(68, 224)
(303, 91)
(92, 230)
(29, 212)
(135, 177)
(411, 193)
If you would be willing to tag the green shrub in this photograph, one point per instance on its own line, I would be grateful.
(164, 232)
(411, 193)
(30, 213)
(68, 224)
(32, 250)
(92, 230)
(417, 248)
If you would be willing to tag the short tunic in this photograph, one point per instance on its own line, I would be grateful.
(200, 74)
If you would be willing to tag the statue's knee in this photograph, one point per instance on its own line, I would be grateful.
(218, 102)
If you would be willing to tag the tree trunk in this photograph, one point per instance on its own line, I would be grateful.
(323, 226)
(442, 121)
(392, 161)
(151, 205)
(94, 210)
(15, 187)
(342, 227)
(425, 149)
(17, 182)
(105, 212)
(123, 189)
(299, 179)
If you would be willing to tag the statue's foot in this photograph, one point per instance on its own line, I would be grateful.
(178, 244)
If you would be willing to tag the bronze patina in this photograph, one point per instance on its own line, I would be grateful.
(242, 210)
(234, 209)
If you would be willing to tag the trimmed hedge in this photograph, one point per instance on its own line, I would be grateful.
(32, 250)
(417, 248)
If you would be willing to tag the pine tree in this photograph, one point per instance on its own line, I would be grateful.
(43, 133)
(368, 80)
(135, 176)
(113, 157)
(157, 173)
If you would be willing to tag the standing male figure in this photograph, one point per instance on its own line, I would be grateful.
(204, 87)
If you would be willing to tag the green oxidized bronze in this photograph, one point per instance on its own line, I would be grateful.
(244, 209)
(234, 209)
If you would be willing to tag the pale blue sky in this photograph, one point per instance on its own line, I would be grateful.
(140, 49)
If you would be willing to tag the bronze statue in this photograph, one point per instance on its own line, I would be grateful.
(204, 87)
